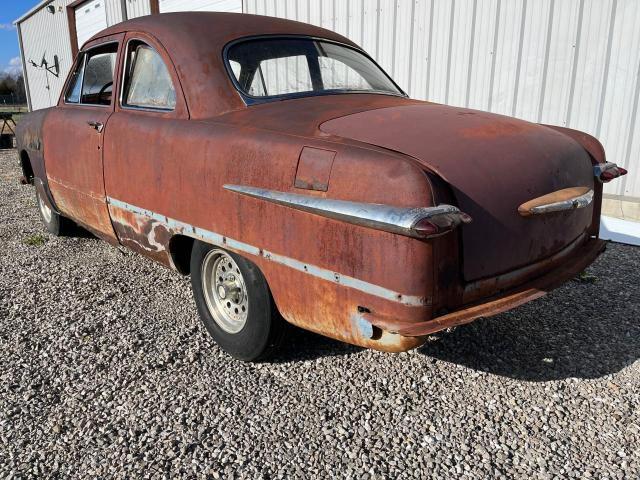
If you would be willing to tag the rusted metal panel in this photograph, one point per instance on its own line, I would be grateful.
(579, 259)
(29, 141)
(314, 169)
(214, 154)
(74, 165)
(307, 304)
(143, 234)
(493, 165)
(74, 160)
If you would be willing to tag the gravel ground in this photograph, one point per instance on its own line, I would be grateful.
(107, 372)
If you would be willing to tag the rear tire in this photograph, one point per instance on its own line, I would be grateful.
(56, 224)
(235, 303)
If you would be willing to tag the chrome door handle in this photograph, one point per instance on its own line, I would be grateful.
(97, 125)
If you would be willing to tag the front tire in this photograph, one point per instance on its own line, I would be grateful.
(55, 224)
(235, 303)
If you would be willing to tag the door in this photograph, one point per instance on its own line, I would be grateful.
(73, 138)
(91, 17)
(144, 143)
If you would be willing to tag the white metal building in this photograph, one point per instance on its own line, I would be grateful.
(55, 29)
(573, 63)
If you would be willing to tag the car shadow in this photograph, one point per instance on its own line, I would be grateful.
(77, 231)
(577, 331)
(300, 345)
(588, 328)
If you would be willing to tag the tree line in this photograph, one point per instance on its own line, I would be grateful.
(12, 91)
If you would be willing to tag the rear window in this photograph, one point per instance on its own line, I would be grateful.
(277, 67)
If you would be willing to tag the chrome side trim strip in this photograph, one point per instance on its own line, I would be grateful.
(399, 220)
(581, 201)
(238, 246)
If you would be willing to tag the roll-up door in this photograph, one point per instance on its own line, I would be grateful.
(201, 6)
(91, 17)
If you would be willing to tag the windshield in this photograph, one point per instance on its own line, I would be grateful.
(277, 67)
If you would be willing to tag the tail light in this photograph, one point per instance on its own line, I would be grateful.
(439, 223)
(605, 172)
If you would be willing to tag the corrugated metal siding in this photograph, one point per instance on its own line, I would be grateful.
(46, 34)
(114, 11)
(573, 63)
(568, 62)
(138, 8)
(91, 17)
(201, 6)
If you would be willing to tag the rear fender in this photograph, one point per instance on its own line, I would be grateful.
(588, 142)
(596, 151)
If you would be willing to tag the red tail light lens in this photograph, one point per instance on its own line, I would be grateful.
(439, 224)
(425, 228)
(605, 172)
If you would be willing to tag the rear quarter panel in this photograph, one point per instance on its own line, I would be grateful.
(177, 168)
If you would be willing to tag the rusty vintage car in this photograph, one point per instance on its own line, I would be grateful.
(285, 171)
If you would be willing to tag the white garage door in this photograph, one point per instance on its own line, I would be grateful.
(91, 17)
(200, 6)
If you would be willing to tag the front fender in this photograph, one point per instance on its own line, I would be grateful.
(29, 142)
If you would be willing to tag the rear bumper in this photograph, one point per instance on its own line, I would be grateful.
(566, 267)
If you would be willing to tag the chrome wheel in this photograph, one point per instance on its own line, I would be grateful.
(47, 214)
(225, 291)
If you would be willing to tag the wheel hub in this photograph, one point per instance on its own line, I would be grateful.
(225, 291)
(231, 289)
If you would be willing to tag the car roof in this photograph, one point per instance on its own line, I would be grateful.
(195, 42)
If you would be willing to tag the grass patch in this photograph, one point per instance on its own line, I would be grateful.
(35, 240)
(14, 108)
(17, 117)
(585, 277)
(17, 112)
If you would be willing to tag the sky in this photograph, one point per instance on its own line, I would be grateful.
(10, 10)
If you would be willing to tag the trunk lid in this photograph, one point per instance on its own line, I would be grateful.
(493, 164)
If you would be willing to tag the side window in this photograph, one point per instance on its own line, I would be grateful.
(97, 80)
(75, 84)
(148, 83)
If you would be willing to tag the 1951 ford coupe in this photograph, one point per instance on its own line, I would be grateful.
(289, 175)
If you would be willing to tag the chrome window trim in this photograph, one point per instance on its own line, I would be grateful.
(125, 65)
(84, 64)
